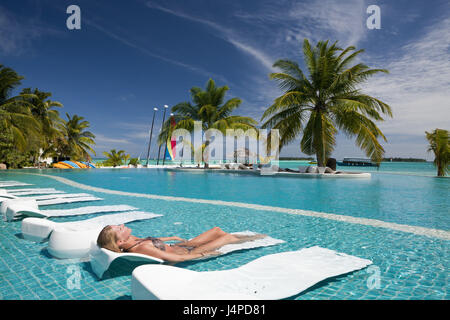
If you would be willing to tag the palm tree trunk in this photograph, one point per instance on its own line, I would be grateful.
(320, 153)
(440, 170)
(320, 159)
(206, 160)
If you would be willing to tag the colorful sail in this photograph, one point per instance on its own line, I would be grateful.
(171, 143)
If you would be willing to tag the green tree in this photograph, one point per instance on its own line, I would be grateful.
(15, 111)
(134, 162)
(75, 142)
(9, 154)
(209, 107)
(327, 100)
(115, 158)
(42, 110)
(439, 144)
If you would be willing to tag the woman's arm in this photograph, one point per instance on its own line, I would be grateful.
(166, 256)
(171, 238)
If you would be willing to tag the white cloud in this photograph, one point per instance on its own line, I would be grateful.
(259, 55)
(285, 23)
(102, 140)
(130, 43)
(228, 34)
(418, 86)
(323, 19)
(17, 34)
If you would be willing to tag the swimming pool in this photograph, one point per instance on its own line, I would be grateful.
(407, 265)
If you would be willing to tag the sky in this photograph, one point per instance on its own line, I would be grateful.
(132, 56)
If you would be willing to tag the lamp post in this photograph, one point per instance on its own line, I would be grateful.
(151, 132)
(162, 124)
(165, 151)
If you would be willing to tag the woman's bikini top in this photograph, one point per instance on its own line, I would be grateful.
(159, 244)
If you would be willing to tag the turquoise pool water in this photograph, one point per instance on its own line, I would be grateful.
(412, 200)
(409, 266)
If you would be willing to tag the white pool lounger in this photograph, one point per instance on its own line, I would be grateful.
(101, 258)
(38, 229)
(56, 196)
(71, 240)
(84, 210)
(5, 184)
(15, 208)
(275, 276)
(67, 200)
(5, 195)
(39, 194)
(74, 239)
(27, 192)
(30, 208)
(16, 193)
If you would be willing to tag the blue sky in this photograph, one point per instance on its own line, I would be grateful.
(131, 56)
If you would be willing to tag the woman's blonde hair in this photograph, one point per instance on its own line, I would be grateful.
(108, 239)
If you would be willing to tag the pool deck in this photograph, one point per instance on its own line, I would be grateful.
(278, 174)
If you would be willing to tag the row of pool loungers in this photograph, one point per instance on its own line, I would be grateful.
(295, 270)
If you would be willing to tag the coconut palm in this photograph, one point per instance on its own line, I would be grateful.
(42, 110)
(134, 162)
(210, 108)
(115, 158)
(439, 144)
(15, 112)
(75, 141)
(327, 100)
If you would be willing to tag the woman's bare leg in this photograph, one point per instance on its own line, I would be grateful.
(224, 240)
(205, 237)
(217, 243)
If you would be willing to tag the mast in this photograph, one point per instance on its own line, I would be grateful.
(162, 124)
(151, 133)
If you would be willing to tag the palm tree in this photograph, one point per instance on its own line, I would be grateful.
(209, 107)
(115, 158)
(75, 141)
(439, 144)
(15, 112)
(326, 101)
(41, 109)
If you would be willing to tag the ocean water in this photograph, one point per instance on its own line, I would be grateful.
(412, 168)
(406, 265)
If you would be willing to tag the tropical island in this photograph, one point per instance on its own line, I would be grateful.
(316, 103)
(398, 159)
(169, 150)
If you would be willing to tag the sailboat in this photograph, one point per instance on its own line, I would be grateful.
(171, 144)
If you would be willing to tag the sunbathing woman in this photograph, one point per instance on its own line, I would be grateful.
(119, 239)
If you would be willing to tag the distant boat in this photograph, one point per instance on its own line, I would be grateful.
(357, 162)
(312, 162)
